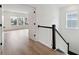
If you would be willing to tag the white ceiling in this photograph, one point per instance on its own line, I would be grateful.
(21, 8)
(55, 5)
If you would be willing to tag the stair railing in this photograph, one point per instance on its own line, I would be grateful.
(54, 30)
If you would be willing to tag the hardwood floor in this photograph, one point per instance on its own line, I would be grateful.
(42, 49)
(18, 43)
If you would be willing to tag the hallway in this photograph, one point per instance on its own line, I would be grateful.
(17, 43)
(39, 29)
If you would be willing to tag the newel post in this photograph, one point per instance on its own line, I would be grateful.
(53, 37)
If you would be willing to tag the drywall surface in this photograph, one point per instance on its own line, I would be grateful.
(21, 10)
(0, 28)
(17, 10)
(7, 20)
(70, 35)
(47, 15)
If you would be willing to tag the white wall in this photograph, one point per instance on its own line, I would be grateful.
(46, 15)
(0, 28)
(7, 20)
(32, 28)
(19, 10)
(71, 35)
(22, 10)
(15, 10)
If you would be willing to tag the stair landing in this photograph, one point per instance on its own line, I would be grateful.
(41, 49)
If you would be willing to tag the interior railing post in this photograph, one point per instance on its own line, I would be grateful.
(68, 48)
(53, 37)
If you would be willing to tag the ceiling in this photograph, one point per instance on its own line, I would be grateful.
(55, 5)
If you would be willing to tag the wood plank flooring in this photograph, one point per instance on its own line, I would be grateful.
(18, 43)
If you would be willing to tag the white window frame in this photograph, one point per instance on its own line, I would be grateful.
(71, 12)
(18, 20)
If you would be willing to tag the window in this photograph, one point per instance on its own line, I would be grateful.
(18, 20)
(72, 21)
(26, 21)
(13, 20)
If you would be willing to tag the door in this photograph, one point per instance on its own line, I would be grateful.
(0, 30)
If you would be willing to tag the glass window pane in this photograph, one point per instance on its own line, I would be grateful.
(72, 19)
(20, 20)
(71, 23)
(13, 20)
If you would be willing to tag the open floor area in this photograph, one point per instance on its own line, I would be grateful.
(39, 29)
(18, 43)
